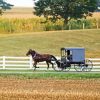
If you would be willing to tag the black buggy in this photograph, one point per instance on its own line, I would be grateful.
(73, 57)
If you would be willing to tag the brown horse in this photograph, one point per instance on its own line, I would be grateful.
(41, 57)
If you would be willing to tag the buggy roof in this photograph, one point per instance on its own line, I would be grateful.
(73, 48)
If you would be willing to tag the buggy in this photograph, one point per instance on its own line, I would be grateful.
(74, 57)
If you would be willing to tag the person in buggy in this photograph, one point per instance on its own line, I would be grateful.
(69, 55)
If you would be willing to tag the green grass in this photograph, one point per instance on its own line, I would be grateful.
(56, 75)
(50, 42)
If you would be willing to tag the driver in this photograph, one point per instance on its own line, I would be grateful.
(69, 55)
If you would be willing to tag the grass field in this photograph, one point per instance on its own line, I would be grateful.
(50, 42)
(48, 74)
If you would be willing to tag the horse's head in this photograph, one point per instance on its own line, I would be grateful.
(30, 52)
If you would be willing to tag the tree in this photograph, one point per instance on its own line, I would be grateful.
(66, 9)
(4, 6)
(98, 4)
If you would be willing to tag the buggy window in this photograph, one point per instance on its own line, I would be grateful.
(63, 53)
(69, 55)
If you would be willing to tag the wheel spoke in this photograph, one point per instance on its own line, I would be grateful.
(88, 65)
(79, 67)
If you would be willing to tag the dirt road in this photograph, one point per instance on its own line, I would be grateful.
(49, 89)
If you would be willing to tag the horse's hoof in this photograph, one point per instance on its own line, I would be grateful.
(37, 67)
(47, 68)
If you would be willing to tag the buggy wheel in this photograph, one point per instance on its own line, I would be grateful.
(88, 65)
(79, 67)
(63, 68)
(66, 69)
(56, 68)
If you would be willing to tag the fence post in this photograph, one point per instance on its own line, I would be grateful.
(31, 62)
(4, 62)
(69, 27)
(83, 26)
(97, 24)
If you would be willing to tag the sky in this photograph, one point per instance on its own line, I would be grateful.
(21, 3)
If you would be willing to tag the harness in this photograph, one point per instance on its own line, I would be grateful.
(34, 56)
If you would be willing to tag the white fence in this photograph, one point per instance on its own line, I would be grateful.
(16, 63)
(22, 63)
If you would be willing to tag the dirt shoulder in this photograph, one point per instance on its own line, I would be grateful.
(49, 89)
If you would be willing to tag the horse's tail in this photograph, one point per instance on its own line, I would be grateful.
(55, 59)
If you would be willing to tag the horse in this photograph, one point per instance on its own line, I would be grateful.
(41, 57)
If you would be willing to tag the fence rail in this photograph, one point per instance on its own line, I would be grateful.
(26, 63)
(16, 62)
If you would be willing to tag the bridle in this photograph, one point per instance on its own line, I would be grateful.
(33, 55)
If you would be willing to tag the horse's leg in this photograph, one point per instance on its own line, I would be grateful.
(47, 64)
(35, 63)
(51, 64)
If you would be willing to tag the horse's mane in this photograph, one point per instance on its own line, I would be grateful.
(36, 52)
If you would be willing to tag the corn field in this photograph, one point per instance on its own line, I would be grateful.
(17, 25)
